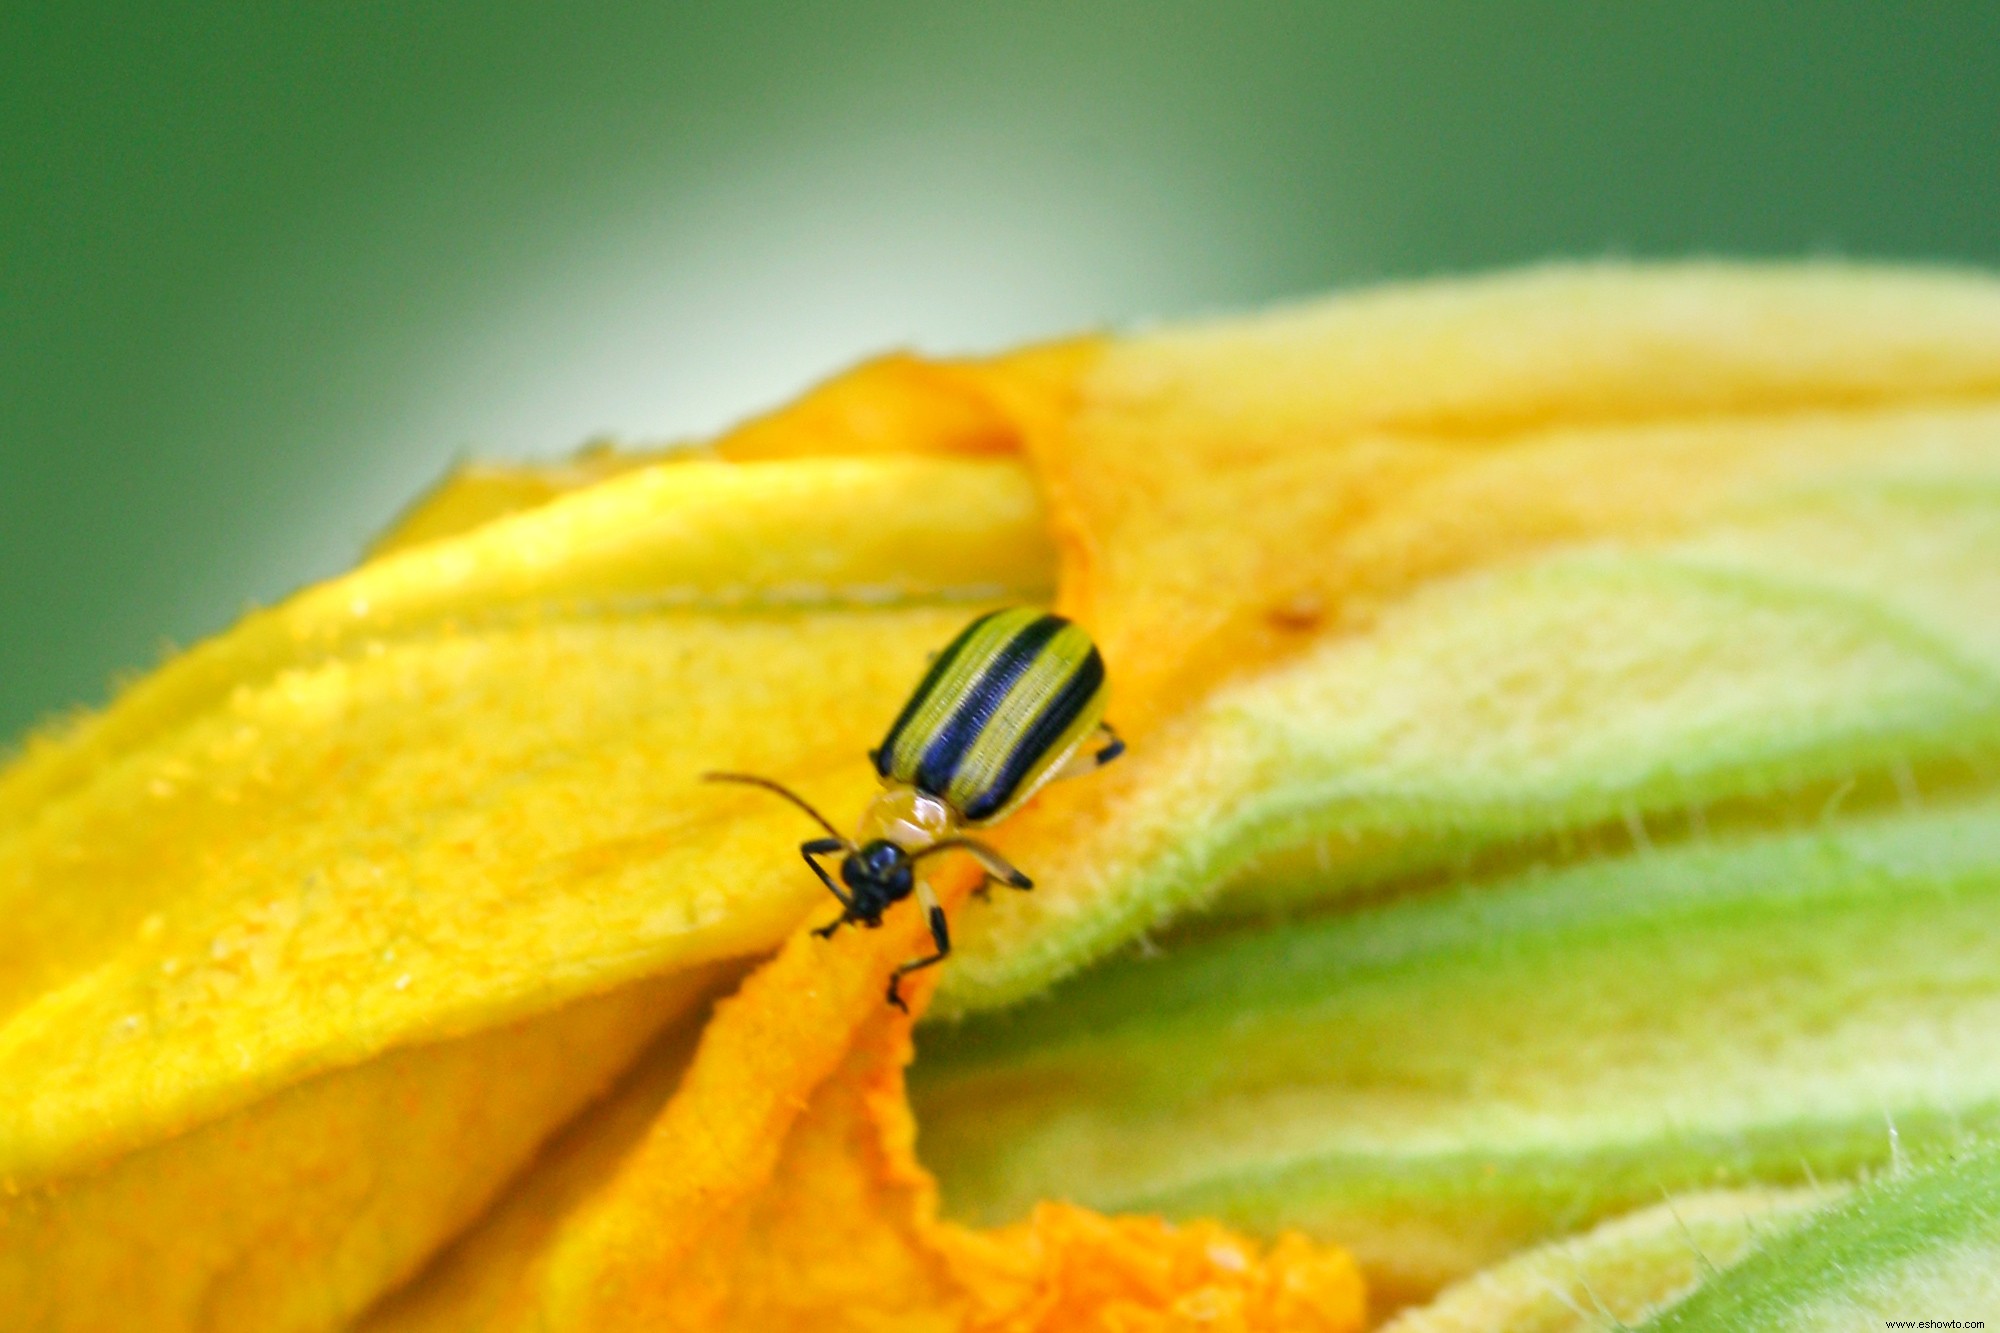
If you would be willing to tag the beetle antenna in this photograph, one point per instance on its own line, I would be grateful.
(752, 780)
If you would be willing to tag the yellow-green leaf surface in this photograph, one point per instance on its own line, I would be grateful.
(1442, 1080)
(1375, 515)
(1831, 625)
(1613, 1276)
(1922, 1245)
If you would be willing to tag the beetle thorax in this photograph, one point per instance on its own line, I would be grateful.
(908, 818)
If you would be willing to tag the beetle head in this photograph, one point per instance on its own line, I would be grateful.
(877, 875)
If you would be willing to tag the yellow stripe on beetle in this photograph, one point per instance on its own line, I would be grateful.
(1000, 712)
(1056, 700)
(948, 696)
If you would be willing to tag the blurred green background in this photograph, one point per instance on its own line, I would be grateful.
(265, 270)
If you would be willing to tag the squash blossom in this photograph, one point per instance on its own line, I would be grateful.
(1559, 844)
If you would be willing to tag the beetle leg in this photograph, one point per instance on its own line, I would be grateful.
(940, 935)
(819, 847)
(1114, 744)
(996, 865)
(1105, 745)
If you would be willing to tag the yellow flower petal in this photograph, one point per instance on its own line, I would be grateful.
(777, 1189)
(475, 494)
(447, 794)
(453, 791)
(295, 1211)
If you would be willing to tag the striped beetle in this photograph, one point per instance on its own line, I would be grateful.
(1016, 700)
